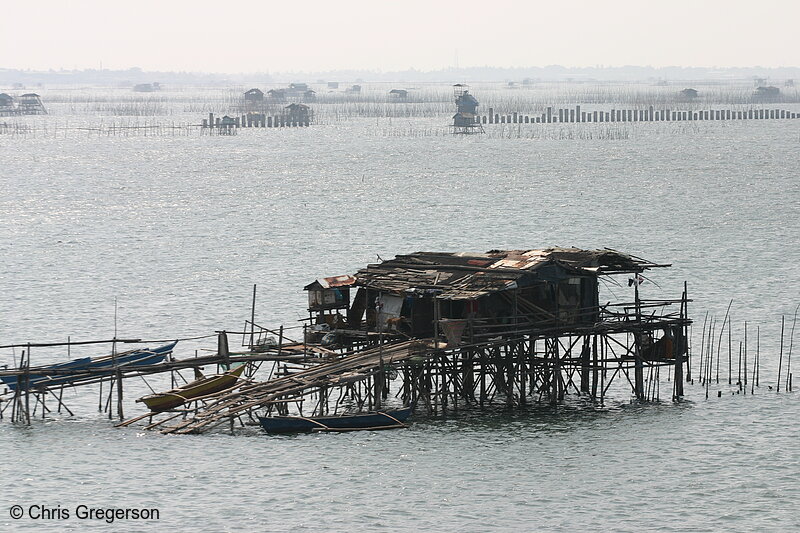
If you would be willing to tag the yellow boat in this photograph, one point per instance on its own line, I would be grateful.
(196, 389)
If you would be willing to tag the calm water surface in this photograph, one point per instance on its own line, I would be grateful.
(178, 229)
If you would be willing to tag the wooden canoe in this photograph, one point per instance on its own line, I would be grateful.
(357, 422)
(204, 386)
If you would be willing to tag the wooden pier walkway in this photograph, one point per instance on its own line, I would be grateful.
(351, 368)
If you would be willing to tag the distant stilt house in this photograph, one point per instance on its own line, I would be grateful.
(255, 96)
(30, 104)
(398, 94)
(354, 89)
(295, 91)
(7, 107)
(333, 85)
(688, 94)
(228, 125)
(6, 102)
(766, 93)
(297, 114)
(253, 101)
(145, 87)
(299, 91)
(465, 102)
(277, 95)
(465, 120)
(789, 83)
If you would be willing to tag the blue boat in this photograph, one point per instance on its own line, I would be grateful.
(366, 421)
(87, 368)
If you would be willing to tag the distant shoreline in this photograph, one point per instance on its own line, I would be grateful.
(10, 76)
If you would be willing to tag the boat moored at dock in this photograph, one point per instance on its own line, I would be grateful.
(357, 422)
(204, 386)
(86, 368)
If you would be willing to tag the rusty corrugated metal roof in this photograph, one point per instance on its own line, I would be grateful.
(333, 282)
(463, 275)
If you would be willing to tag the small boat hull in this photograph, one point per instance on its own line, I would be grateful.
(93, 367)
(196, 389)
(367, 421)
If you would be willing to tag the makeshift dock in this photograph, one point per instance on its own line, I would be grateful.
(293, 387)
(29, 387)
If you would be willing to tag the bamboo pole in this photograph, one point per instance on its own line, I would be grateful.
(253, 318)
(721, 331)
(745, 356)
(730, 362)
(758, 354)
(702, 349)
(119, 395)
(780, 359)
(791, 345)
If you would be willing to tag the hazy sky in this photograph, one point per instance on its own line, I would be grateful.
(316, 35)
